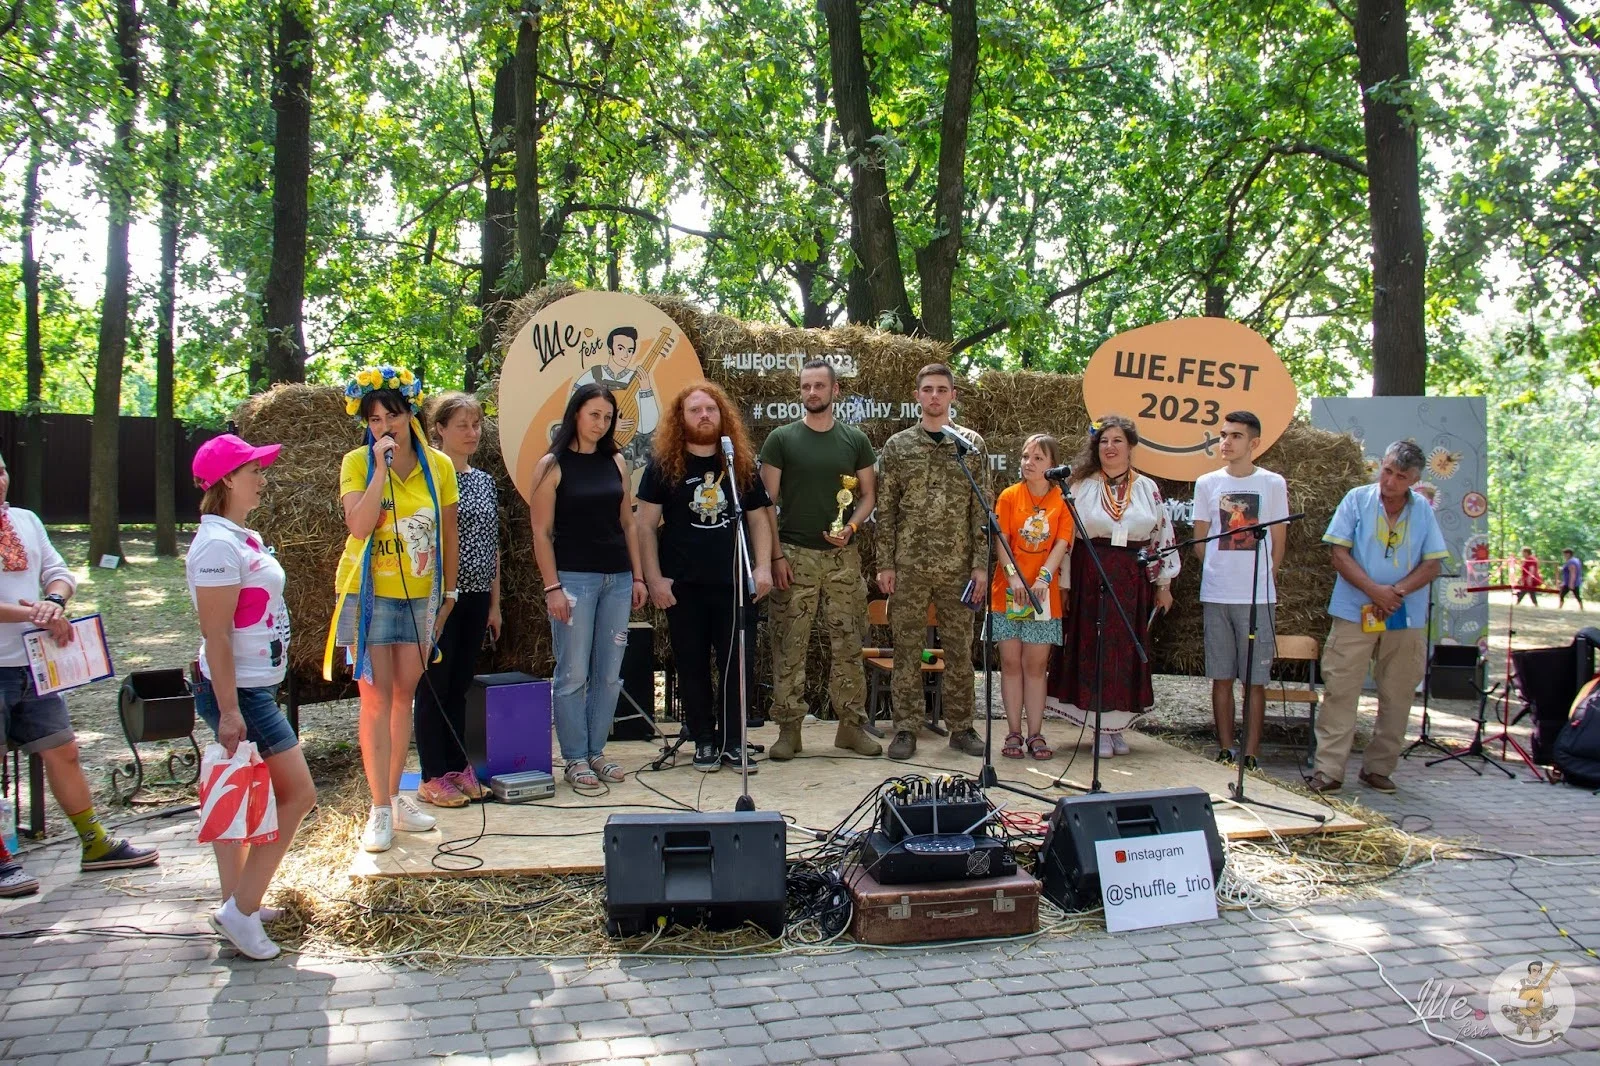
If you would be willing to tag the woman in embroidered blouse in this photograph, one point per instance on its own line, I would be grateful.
(455, 426)
(1122, 512)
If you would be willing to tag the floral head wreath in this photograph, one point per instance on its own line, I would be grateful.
(374, 378)
(1095, 427)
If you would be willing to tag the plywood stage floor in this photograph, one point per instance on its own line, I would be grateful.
(815, 790)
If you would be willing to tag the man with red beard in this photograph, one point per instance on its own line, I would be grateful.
(686, 540)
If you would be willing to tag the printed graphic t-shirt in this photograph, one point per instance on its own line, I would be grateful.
(1229, 502)
(1032, 529)
(697, 519)
(407, 532)
(812, 464)
(221, 554)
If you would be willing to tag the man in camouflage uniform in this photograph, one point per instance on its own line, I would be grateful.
(801, 467)
(930, 543)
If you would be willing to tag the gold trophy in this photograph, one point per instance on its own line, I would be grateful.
(845, 499)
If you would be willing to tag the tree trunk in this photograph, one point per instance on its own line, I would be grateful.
(872, 232)
(104, 535)
(1216, 300)
(498, 235)
(936, 262)
(285, 294)
(166, 458)
(1399, 252)
(527, 112)
(32, 344)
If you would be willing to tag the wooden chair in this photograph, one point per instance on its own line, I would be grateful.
(879, 664)
(1292, 649)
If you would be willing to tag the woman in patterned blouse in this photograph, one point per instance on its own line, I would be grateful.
(455, 426)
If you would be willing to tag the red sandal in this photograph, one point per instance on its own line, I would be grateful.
(1013, 746)
(1039, 749)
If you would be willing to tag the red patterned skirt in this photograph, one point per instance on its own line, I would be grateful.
(1072, 666)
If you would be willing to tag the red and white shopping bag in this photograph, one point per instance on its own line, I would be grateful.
(236, 801)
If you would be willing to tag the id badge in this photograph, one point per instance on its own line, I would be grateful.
(1119, 536)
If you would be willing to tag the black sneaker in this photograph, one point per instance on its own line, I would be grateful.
(734, 761)
(1250, 763)
(1225, 756)
(122, 856)
(707, 759)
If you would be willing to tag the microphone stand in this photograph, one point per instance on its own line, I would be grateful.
(743, 588)
(986, 775)
(1424, 738)
(1106, 593)
(1257, 532)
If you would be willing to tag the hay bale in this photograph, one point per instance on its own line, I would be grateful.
(302, 517)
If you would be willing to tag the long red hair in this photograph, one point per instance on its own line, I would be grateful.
(669, 442)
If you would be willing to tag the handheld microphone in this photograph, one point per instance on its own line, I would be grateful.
(1058, 473)
(727, 450)
(388, 456)
(957, 439)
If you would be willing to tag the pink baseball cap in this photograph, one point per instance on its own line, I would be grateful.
(221, 456)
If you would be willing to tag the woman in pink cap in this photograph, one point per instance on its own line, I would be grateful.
(237, 588)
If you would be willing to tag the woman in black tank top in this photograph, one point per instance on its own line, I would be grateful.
(583, 541)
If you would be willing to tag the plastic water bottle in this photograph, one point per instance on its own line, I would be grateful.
(8, 824)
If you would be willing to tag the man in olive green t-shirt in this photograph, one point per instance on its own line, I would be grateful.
(802, 466)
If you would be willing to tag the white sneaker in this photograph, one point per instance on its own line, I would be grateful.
(243, 931)
(1119, 744)
(1107, 748)
(380, 831)
(408, 817)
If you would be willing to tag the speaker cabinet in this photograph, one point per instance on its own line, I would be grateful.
(718, 869)
(635, 717)
(508, 724)
(1455, 672)
(1068, 866)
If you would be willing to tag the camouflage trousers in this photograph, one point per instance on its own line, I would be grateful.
(832, 581)
(914, 589)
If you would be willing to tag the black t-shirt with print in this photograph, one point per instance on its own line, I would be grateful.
(696, 534)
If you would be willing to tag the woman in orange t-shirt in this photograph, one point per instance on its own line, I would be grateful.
(1035, 522)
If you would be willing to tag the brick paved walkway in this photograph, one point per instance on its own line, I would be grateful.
(1241, 990)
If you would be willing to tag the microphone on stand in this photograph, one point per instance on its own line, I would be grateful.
(1058, 473)
(957, 439)
(727, 450)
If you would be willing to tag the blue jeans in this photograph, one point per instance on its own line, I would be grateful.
(589, 660)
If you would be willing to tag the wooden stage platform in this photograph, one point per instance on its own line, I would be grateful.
(816, 790)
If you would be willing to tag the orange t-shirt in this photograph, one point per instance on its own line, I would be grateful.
(1032, 527)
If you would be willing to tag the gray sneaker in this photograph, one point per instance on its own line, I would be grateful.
(15, 881)
(968, 742)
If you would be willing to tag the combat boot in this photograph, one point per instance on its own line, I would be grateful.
(788, 745)
(851, 737)
(904, 745)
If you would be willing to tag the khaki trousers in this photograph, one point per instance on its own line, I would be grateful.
(1398, 656)
(830, 582)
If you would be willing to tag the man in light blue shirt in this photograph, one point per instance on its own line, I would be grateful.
(1387, 549)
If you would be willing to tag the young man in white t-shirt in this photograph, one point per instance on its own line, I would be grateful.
(1240, 494)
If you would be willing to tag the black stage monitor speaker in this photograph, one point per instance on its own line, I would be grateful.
(633, 722)
(1456, 672)
(719, 870)
(1068, 867)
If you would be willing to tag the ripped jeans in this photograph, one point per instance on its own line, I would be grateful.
(589, 660)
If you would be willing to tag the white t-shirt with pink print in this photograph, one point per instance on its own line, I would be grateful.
(223, 553)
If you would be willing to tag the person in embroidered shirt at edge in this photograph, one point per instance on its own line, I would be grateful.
(1387, 549)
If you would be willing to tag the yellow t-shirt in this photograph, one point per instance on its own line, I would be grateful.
(417, 543)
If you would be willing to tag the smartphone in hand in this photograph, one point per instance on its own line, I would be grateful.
(972, 596)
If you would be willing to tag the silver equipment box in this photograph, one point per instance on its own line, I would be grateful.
(520, 788)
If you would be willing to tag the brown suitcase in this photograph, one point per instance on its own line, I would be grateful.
(941, 910)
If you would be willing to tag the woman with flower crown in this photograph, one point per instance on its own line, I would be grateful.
(396, 580)
(1122, 512)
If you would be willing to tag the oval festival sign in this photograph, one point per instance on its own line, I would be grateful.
(1177, 380)
(613, 338)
